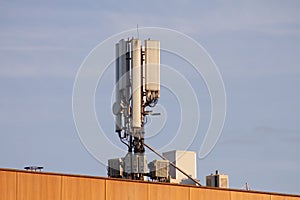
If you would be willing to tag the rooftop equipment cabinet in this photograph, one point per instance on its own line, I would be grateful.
(186, 160)
(159, 170)
(217, 180)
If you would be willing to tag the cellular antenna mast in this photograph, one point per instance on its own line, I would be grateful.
(137, 91)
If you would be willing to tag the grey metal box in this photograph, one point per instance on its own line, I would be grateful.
(159, 169)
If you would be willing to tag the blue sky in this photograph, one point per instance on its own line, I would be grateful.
(255, 44)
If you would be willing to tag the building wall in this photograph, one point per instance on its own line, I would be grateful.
(24, 185)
